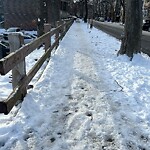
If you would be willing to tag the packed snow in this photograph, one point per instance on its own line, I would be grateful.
(87, 98)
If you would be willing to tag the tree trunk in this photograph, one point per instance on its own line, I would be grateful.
(131, 41)
(81, 9)
(54, 11)
(40, 19)
(112, 13)
(86, 11)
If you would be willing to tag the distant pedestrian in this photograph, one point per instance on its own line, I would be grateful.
(88, 22)
(91, 23)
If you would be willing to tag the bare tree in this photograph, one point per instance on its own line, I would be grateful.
(131, 41)
(107, 6)
(117, 10)
(123, 2)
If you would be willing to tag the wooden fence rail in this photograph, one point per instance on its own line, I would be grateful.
(10, 61)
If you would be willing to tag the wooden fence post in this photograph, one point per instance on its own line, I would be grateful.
(61, 29)
(64, 28)
(57, 33)
(47, 28)
(19, 71)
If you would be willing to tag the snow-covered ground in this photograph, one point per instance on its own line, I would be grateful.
(86, 99)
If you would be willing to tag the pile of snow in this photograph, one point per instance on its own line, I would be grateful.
(86, 99)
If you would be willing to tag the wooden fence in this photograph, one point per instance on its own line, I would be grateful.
(16, 60)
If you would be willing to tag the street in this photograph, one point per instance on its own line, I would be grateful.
(116, 30)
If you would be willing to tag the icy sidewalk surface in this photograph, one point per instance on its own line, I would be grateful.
(78, 104)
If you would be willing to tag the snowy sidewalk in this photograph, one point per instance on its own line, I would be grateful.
(78, 104)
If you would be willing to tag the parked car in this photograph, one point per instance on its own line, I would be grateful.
(74, 17)
(14, 29)
(9, 30)
(4, 43)
(27, 37)
(101, 19)
(146, 26)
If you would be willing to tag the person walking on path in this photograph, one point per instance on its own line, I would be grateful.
(88, 22)
(91, 23)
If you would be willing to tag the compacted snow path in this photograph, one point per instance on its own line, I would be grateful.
(77, 104)
(89, 123)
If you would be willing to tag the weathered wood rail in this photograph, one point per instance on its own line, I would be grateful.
(9, 62)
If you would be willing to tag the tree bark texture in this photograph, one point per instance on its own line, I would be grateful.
(131, 41)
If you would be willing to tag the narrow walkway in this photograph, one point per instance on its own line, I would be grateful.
(82, 116)
(74, 105)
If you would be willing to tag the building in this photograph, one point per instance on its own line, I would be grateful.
(1, 11)
(147, 10)
(25, 13)
(20, 13)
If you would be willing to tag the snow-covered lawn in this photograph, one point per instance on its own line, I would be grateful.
(86, 99)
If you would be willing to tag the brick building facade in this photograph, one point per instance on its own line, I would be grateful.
(1, 11)
(24, 13)
(20, 13)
